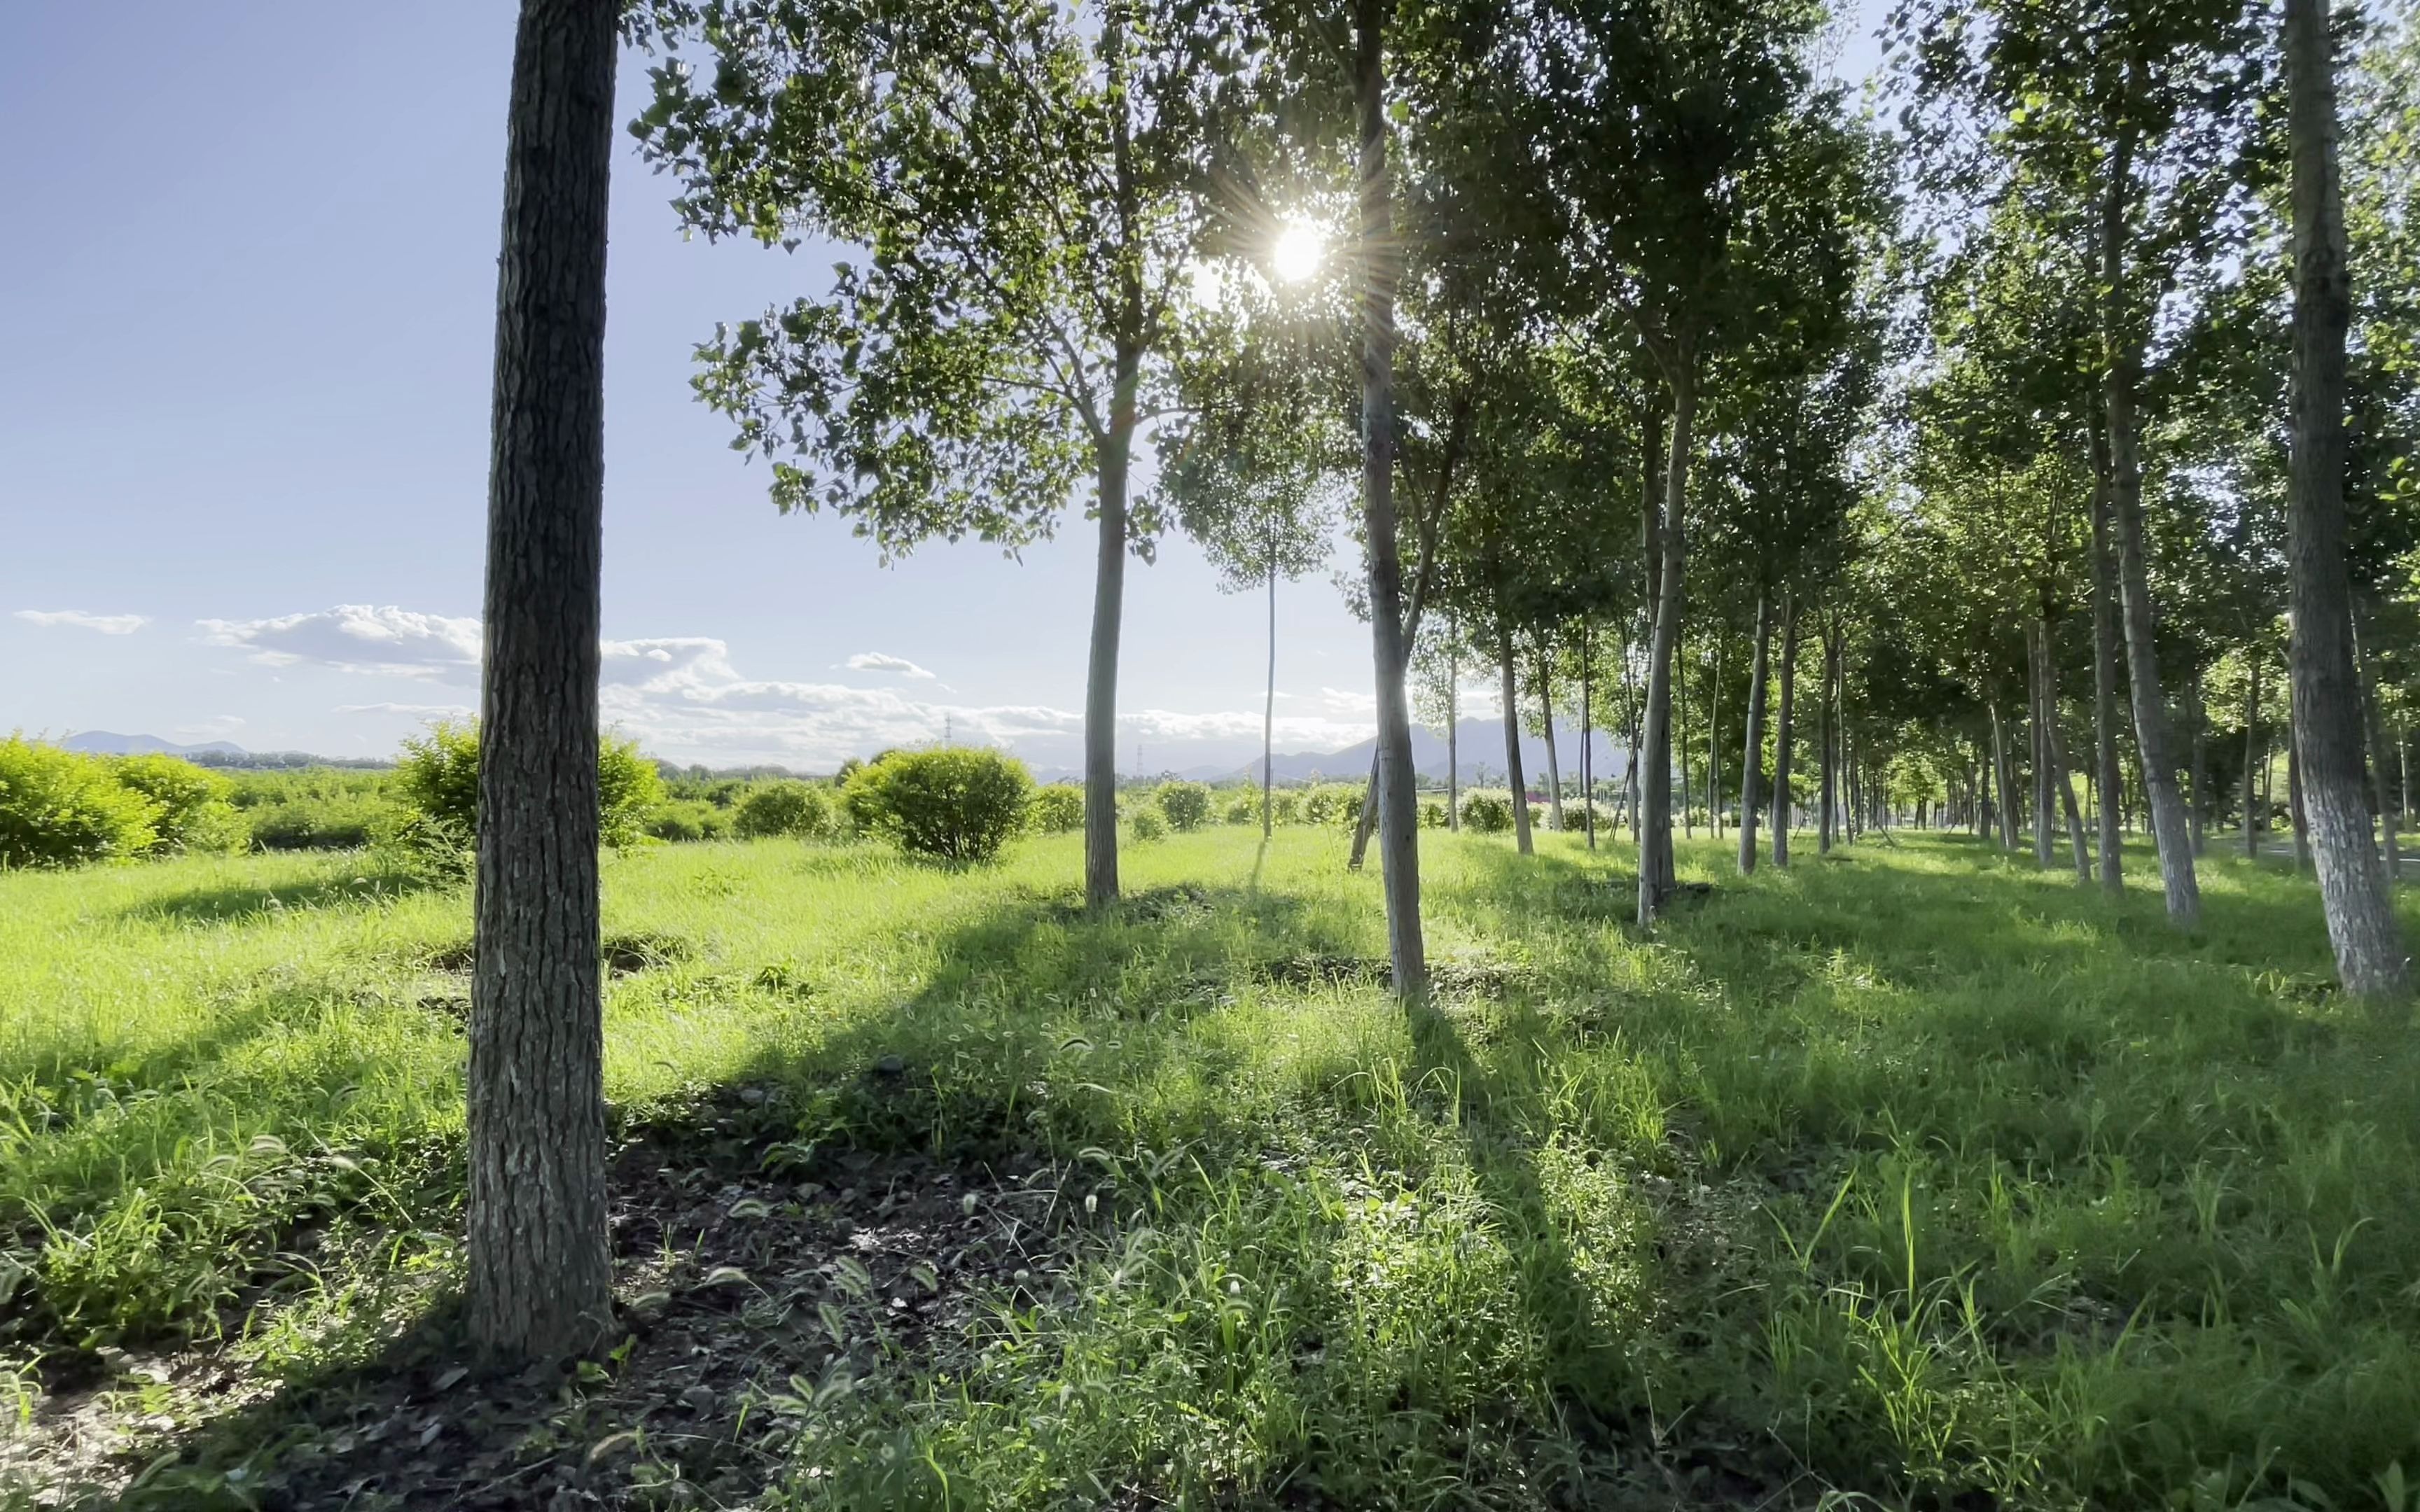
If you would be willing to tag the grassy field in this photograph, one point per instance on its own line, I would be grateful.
(1911, 1173)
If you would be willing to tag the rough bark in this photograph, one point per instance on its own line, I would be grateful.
(2354, 891)
(1398, 795)
(2120, 378)
(1512, 750)
(1781, 731)
(1752, 746)
(1656, 877)
(539, 1278)
(2295, 811)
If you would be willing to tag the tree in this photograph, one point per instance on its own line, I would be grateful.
(539, 1273)
(2328, 734)
(1025, 191)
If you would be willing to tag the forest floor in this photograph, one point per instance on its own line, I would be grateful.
(1909, 1173)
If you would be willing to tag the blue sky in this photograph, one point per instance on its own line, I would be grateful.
(243, 393)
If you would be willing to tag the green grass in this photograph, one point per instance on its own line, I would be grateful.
(1915, 1167)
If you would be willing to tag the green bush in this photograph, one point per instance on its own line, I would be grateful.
(1057, 809)
(1432, 814)
(1186, 806)
(436, 781)
(1332, 805)
(1576, 818)
(958, 803)
(783, 809)
(1147, 825)
(194, 813)
(1243, 809)
(312, 807)
(1487, 810)
(1286, 809)
(689, 819)
(59, 808)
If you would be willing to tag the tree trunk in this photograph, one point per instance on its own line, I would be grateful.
(1751, 748)
(1781, 731)
(2327, 721)
(2198, 757)
(1270, 715)
(2252, 823)
(1680, 717)
(2057, 741)
(2037, 648)
(2119, 383)
(1588, 732)
(2381, 778)
(2104, 673)
(1630, 719)
(1715, 741)
(2296, 811)
(1656, 875)
(1824, 735)
(1453, 724)
(1512, 750)
(1554, 763)
(1399, 816)
(539, 1274)
(2004, 779)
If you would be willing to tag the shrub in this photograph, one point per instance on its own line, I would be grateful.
(1432, 814)
(783, 808)
(310, 808)
(1487, 810)
(437, 779)
(689, 819)
(195, 814)
(959, 803)
(1286, 809)
(1244, 809)
(1575, 817)
(1057, 809)
(1332, 803)
(59, 808)
(1146, 826)
(1186, 806)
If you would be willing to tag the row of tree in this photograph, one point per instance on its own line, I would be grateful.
(1631, 334)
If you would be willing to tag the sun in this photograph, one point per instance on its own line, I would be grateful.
(1297, 253)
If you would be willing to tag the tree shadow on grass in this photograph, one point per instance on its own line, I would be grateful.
(203, 907)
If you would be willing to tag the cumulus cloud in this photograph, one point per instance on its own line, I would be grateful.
(876, 661)
(105, 624)
(683, 698)
(358, 638)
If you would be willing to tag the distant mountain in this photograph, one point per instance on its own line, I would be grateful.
(106, 743)
(1478, 753)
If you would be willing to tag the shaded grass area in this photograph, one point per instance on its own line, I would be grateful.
(1910, 1171)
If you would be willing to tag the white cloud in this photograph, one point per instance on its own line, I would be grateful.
(1345, 701)
(876, 661)
(105, 624)
(222, 725)
(415, 711)
(682, 698)
(358, 638)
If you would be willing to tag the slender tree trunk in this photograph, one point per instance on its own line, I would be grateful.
(2104, 673)
(1588, 731)
(1269, 713)
(1398, 817)
(1554, 763)
(2036, 648)
(1657, 876)
(2381, 780)
(539, 1275)
(1630, 720)
(1752, 746)
(1681, 715)
(1512, 750)
(1715, 741)
(2251, 744)
(1453, 725)
(2327, 722)
(1825, 721)
(2297, 812)
(1781, 731)
(2199, 758)
(2065, 777)
(2120, 380)
(2004, 779)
